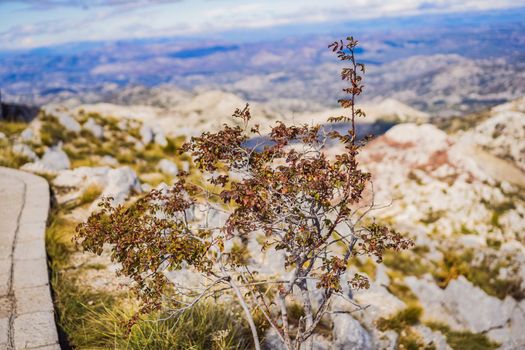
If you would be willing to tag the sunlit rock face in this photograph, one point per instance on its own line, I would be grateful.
(53, 160)
(117, 183)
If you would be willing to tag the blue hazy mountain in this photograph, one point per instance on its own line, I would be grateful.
(438, 63)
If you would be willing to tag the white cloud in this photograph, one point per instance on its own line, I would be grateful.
(116, 19)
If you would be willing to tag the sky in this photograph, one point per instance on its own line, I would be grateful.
(28, 24)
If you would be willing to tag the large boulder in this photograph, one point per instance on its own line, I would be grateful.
(379, 301)
(82, 177)
(464, 306)
(432, 300)
(67, 121)
(117, 183)
(53, 160)
(122, 181)
(475, 309)
(349, 334)
(167, 167)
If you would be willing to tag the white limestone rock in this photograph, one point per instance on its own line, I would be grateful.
(463, 306)
(385, 340)
(55, 158)
(348, 333)
(67, 121)
(27, 135)
(503, 135)
(160, 138)
(475, 309)
(186, 166)
(92, 126)
(109, 160)
(380, 302)
(426, 137)
(167, 167)
(121, 183)
(146, 134)
(382, 275)
(118, 183)
(432, 300)
(145, 187)
(25, 150)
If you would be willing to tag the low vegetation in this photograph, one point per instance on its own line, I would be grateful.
(463, 340)
(8, 158)
(483, 273)
(409, 316)
(97, 319)
(12, 128)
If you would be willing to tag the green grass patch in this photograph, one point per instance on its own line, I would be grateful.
(409, 340)
(91, 193)
(483, 275)
(10, 128)
(432, 216)
(51, 132)
(406, 262)
(10, 159)
(404, 318)
(463, 340)
(402, 291)
(367, 266)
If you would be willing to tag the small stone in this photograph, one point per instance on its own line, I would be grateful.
(109, 160)
(168, 167)
(160, 139)
(186, 167)
(27, 134)
(94, 128)
(68, 122)
(146, 134)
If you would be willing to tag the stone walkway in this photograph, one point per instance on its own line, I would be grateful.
(26, 309)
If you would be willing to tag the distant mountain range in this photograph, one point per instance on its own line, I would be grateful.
(441, 64)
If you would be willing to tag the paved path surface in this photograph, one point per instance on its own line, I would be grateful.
(26, 309)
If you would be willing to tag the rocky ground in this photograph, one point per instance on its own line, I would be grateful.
(460, 195)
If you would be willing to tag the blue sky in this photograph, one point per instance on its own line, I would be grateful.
(37, 23)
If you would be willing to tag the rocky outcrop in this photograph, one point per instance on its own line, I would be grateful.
(461, 305)
(349, 334)
(117, 183)
(53, 160)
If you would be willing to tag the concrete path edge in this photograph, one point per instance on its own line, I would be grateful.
(31, 322)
